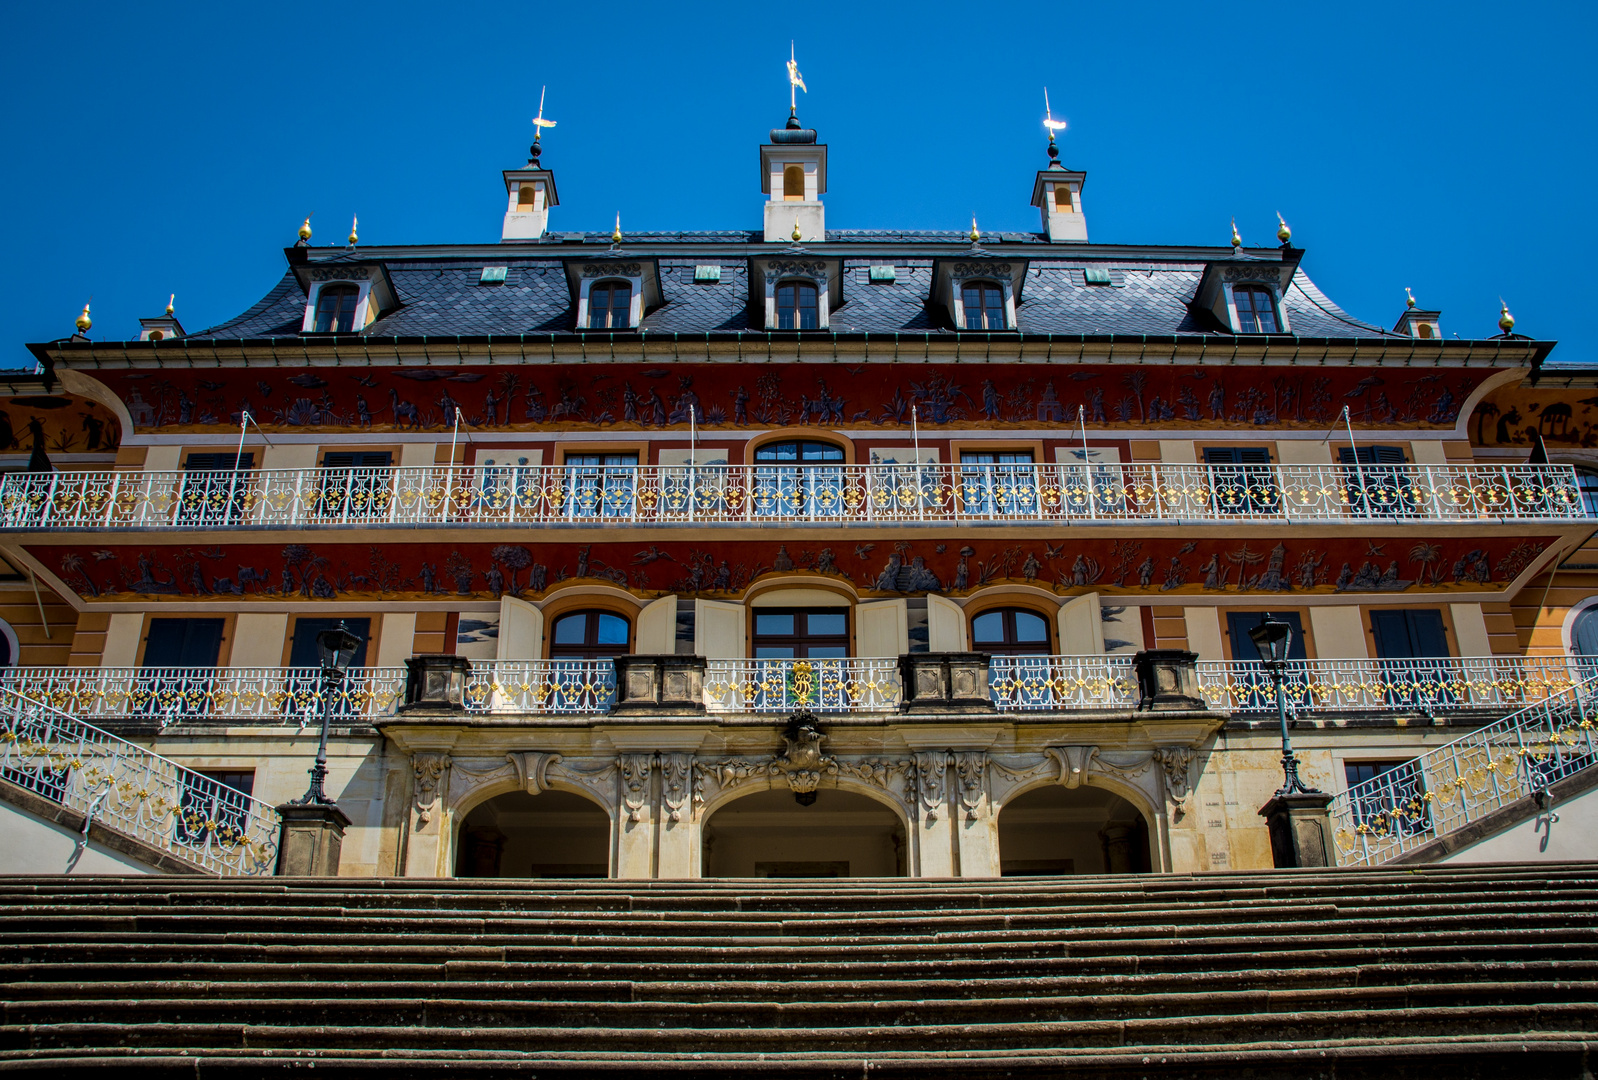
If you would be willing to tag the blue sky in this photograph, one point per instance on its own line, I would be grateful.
(176, 148)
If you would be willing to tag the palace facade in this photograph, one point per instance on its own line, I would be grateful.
(798, 551)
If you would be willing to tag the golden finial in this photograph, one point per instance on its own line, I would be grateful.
(1409, 298)
(796, 233)
(84, 322)
(615, 237)
(1506, 321)
(1284, 234)
(305, 228)
(354, 221)
(169, 302)
(1237, 241)
(976, 234)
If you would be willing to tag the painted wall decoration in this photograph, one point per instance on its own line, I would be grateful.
(66, 424)
(1509, 415)
(641, 397)
(726, 568)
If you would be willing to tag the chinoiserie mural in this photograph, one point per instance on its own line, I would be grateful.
(639, 397)
(222, 572)
(1514, 415)
(62, 424)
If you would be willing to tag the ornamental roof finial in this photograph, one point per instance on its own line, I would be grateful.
(354, 221)
(1284, 234)
(976, 234)
(615, 237)
(169, 302)
(1409, 298)
(1506, 321)
(84, 322)
(1237, 241)
(796, 83)
(539, 124)
(305, 228)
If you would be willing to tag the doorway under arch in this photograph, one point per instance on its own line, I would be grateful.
(1056, 831)
(552, 835)
(768, 834)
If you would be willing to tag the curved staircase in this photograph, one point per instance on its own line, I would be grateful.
(1472, 971)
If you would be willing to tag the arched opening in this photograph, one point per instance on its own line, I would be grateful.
(1057, 831)
(768, 834)
(1062, 199)
(592, 634)
(524, 198)
(793, 183)
(517, 835)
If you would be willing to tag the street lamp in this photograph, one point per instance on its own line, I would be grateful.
(1272, 637)
(336, 648)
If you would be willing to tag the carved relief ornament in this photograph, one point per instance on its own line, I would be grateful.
(429, 770)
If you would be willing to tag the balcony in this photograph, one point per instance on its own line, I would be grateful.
(784, 495)
(1065, 684)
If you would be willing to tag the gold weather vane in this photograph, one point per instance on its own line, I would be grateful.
(1048, 117)
(539, 123)
(796, 81)
(305, 229)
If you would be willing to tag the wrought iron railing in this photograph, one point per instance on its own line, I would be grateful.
(541, 686)
(192, 817)
(513, 495)
(1046, 683)
(1457, 783)
(1429, 686)
(863, 684)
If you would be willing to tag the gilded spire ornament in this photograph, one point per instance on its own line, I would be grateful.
(796, 83)
(1052, 125)
(170, 300)
(1284, 234)
(796, 233)
(1237, 240)
(354, 221)
(615, 237)
(976, 233)
(539, 124)
(1409, 298)
(305, 228)
(84, 322)
(1506, 321)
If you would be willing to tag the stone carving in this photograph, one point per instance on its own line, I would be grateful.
(1174, 761)
(801, 760)
(880, 772)
(339, 273)
(595, 780)
(1266, 272)
(611, 269)
(775, 270)
(725, 774)
(979, 269)
(930, 778)
(970, 767)
(676, 776)
(430, 770)
(532, 769)
(635, 770)
(1075, 762)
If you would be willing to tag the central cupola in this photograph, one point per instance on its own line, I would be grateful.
(793, 175)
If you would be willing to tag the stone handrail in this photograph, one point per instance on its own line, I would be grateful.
(780, 494)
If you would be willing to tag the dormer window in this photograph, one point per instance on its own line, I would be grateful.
(984, 306)
(796, 306)
(610, 305)
(335, 309)
(1256, 309)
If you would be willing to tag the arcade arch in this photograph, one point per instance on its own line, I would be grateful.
(1056, 830)
(555, 834)
(770, 834)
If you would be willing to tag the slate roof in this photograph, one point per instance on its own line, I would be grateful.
(440, 295)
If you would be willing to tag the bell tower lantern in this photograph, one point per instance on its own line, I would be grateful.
(530, 191)
(1057, 192)
(793, 175)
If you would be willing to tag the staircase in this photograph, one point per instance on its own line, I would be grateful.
(1442, 971)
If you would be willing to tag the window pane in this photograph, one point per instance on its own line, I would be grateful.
(774, 624)
(780, 451)
(1030, 627)
(1266, 317)
(570, 629)
(988, 627)
(821, 452)
(773, 652)
(824, 624)
(830, 652)
(612, 630)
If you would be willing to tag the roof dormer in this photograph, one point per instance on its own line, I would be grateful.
(795, 290)
(613, 292)
(344, 298)
(1244, 293)
(979, 292)
(1418, 322)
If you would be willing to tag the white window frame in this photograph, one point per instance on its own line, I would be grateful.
(1282, 325)
(364, 315)
(816, 281)
(957, 298)
(635, 305)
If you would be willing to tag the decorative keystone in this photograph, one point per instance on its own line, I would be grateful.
(1300, 830)
(950, 682)
(1167, 679)
(435, 683)
(310, 839)
(659, 685)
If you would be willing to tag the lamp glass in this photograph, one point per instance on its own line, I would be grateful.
(1272, 637)
(337, 647)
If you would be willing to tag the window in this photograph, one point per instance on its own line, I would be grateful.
(801, 634)
(1587, 484)
(165, 695)
(1375, 487)
(799, 478)
(213, 491)
(796, 306)
(1011, 632)
(215, 803)
(997, 484)
(610, 306)
(984, 306)
(1242, 480)
(183, 643)
(1393, 802)
(1256, 310)
(793, 183)
(356, 485)
(601, 485)
(335, 309)
(1254, 690)
(1062, 198)
(303, 652)
(1413, 646)
(1584, 634)
(589, 635)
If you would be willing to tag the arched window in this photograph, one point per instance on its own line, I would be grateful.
(1587, 484)
(799, 478)
(335, 309)
(1584, 634)
(1425, 329)
(588, 635)
(806, 450)
(1256, 310)
(984, 306)
(1010, 632)
(793, 183)
(796, 306)
(610, 305)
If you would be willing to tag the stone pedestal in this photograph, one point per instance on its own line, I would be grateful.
(659, 685)
(310, 840)
(435, 685)
(1167, 680)
(950, 682)
(1301, 831)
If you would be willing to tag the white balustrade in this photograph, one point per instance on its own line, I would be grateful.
(655, 495)
(1048, 683)
(1461, 781)
(855, 684)
(192, 817)
(541, 686)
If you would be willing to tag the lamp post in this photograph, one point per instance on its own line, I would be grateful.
(336, 648)
(1272, 637)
